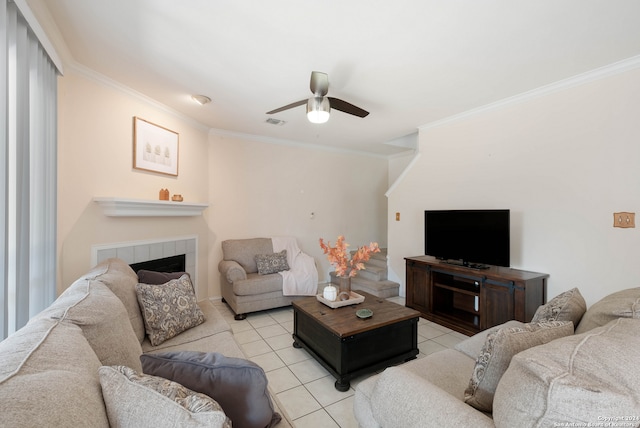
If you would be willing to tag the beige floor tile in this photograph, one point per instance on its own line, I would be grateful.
(293, 355)
(429, 347)
(308, 370)
(324, 391)
(238, 326)
(317, 419)
(281, 380)
(280, 342)
(269, 361)
(429, 331)
(298, 402)
(282, 315)
(256, 348)
(449, 340)
(342, 413)
(271, 331)
(247, 336)
(288, 326)
(260, 319)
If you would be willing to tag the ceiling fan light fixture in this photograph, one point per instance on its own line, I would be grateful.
(318, 109)
(201, 99)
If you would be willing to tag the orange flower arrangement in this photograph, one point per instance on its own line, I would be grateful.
(337, 256)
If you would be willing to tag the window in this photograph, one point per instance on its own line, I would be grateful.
(28, 168)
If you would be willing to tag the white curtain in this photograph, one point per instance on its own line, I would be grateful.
(28, 170)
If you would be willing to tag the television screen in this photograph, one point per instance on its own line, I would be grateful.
(469, 237)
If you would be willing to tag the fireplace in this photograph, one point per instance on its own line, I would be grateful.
(162, 255)
(165, 264)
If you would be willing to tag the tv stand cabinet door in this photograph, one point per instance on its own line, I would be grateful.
(418, 284)
(498, 303)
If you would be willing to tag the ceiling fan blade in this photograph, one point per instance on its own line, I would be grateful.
(288, 106)
(319, 83)
(346, 107)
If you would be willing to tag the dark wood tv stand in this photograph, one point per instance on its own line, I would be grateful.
(469, 300)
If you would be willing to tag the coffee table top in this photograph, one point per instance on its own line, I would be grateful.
(344, 322)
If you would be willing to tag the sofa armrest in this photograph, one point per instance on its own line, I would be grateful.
(400, 398)
(232, 270)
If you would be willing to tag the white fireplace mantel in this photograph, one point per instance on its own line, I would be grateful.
(121, 207)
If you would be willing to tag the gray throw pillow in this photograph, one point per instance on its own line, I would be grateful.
(153, 277)
(566, 306)
(168, 309)
(495, 356)
(240, 386)
(272, 263)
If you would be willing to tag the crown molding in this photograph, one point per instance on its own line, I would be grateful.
(580, 79)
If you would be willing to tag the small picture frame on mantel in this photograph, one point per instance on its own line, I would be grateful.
(155, 148)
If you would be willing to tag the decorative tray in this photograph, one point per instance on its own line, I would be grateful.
(354, 299)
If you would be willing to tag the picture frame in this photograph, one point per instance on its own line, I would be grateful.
(155, 148)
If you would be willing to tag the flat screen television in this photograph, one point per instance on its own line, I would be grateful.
(472, 238)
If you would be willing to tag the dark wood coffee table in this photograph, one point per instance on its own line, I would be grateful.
(348, 346)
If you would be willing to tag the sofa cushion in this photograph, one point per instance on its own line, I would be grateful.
(49, 377)
(625, 303)
(590, 378)
(168, 309)
(496, 354)
(567, 306)
(103, 319)
(121, 280)
(239, 385)
(244, 251)
(137, 400)
(214, 325)
(472, 346)
(272, 263)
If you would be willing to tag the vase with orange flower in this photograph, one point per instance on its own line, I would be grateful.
(346, 268)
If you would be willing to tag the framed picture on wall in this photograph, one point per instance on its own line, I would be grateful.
(155, 148)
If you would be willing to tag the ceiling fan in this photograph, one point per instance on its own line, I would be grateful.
(319, 105)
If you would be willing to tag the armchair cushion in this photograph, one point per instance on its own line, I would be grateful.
(244, 251)
(232, 271)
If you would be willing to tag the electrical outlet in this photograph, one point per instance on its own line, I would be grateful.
(624, 219)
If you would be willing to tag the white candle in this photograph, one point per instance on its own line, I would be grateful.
(330, 293)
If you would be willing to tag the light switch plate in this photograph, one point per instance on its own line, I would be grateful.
(624, 219)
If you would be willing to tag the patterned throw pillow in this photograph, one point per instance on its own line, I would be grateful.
(168, 309)
(495, 356)
(272, 263)
(567, 306)
(133, 399)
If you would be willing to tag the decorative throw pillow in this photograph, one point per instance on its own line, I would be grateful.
(622, 304)
(240, 386)
(496, 354)
(567, 306)
(168, 309)
(136, 400)
(272, 263)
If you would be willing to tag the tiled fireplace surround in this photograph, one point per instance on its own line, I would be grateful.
(143, 251)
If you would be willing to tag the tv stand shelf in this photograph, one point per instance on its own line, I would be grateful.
(469, 300)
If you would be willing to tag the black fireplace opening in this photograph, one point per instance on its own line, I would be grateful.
(166, 264)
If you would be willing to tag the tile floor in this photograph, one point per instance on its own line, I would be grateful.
(303, 387)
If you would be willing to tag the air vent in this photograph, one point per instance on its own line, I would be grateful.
(273, 121)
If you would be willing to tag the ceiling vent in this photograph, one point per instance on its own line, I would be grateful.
(272, 121)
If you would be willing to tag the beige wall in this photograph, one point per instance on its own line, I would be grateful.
(252, 188)
(95, 146)
(562, 163)
(263, 190)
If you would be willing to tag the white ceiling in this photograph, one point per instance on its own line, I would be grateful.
(408, 62)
